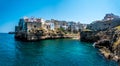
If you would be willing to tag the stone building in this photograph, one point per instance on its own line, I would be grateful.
(60, 24)
(29, 29)
(28, 25)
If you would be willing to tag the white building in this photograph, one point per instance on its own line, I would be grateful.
(49, 25)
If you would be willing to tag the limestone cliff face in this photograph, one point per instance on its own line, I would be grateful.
(89, 36)
(108, 42)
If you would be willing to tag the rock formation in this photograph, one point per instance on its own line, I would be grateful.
(108, 42)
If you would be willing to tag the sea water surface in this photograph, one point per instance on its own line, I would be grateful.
(59, 52)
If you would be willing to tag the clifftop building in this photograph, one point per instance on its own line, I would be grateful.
(28, 24)
(109, 21)
(110, 17)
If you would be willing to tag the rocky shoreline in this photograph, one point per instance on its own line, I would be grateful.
(41, 38)
(108, 42)
(34, 37)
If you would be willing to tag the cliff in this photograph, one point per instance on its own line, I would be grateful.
(45, 34)
(108, 42)
(89, 36)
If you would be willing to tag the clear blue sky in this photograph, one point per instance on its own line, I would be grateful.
(84, 11)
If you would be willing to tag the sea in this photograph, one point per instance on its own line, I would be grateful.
(52, 52)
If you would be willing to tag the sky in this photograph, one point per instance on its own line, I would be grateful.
(84, 11)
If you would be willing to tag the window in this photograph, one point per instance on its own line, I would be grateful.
(34, 26)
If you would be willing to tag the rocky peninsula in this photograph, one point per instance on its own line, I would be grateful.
(34, 29)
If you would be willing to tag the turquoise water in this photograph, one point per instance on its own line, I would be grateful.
(59, 52)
